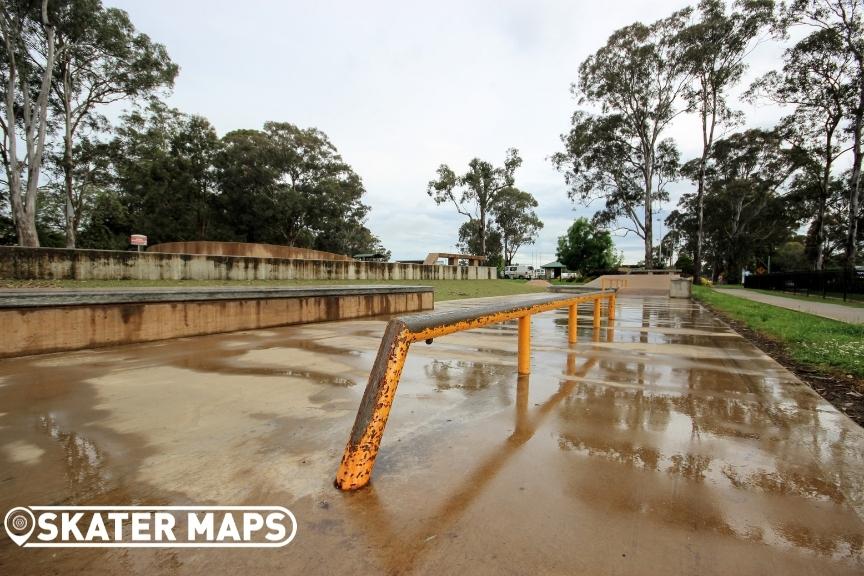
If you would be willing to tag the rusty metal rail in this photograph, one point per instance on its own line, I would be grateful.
(355, 471)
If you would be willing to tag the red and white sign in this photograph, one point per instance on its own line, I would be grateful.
(138, 240)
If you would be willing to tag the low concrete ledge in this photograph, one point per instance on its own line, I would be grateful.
(26, 298)
(41, 321)
(579, 289)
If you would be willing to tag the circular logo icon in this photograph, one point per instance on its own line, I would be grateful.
(19, 523)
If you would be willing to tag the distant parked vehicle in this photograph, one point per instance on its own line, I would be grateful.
(519, 271)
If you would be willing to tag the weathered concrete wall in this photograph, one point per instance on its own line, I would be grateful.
(65, 264)
(42, 329)
(680, 288)
(211, 248)
(635, 283)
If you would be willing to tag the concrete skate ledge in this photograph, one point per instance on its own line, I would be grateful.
(29, 298)
(59, 320)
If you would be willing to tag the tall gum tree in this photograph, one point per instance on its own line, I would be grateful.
(516, 220)
(475, 193)
(843, 19)
(715, 47)
(599, 163)
(816, 80)
(640, 76)
(101, 59)
(29, 54)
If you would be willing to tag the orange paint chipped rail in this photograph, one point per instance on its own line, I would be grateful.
(355, 471)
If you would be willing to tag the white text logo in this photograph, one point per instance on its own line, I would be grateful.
(150, 526)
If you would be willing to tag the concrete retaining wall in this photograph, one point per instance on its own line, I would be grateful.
(66, 264)
(658, 284)
(44, 322)
(212, 248)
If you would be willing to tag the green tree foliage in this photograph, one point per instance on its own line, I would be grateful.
(586, 248)
(746, 212)
(685, 264)
(287, 185)
(714, 49)
(101, 59)
(469, 242)
(162, 165)
(637, 79)
(27, 58)
(791, 256)
(843, 21)
(171, 178)
(160, 172)
(601, 163)
(107, 224)
(516, 221)
(815, 80)
(476, 193)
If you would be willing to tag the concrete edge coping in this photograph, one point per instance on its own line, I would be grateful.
(572, 289)
(423, 320)
(37, 298)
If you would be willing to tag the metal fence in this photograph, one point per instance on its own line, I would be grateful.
(838, 283)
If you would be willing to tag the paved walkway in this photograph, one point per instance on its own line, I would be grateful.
(839, 312)
(668, 445)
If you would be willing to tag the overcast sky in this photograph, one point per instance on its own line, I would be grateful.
(401, 87)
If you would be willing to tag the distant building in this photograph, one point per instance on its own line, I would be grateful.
(553, 270)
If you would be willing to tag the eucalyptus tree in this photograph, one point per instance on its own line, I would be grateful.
(28, 57)
(600, 162)
(477, 192)
(816, 80)
(715, 48)
(469, 242)
(746, 210)
(516, 220)
(101, 59)
(638, 79)
(843, 20)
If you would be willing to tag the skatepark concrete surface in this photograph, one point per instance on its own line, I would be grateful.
(667, 445)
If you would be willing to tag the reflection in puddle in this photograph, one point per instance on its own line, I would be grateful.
(86, 474)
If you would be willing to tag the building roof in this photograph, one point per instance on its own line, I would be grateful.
(555, 264)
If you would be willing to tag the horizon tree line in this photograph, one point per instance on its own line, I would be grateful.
(72, 179)
(753, 188)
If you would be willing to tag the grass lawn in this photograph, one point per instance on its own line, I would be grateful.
(444, 289)
(809, 339)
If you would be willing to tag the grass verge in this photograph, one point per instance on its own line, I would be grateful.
(812, 340)
(853, 301)
(444, 289)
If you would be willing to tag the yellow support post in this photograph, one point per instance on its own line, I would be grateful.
(572, 322)
(611, 313)
(596, 312)
(359, 457)
(524, 345)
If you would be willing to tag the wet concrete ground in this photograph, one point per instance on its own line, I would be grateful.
(668, 445)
